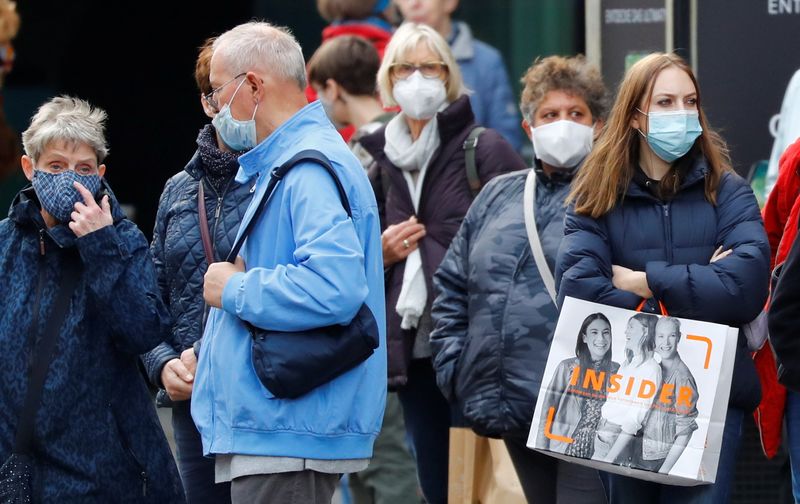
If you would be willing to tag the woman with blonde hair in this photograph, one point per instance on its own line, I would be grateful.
(657, 213)
(424, 187)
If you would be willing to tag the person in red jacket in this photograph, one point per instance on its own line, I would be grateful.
(781, 214)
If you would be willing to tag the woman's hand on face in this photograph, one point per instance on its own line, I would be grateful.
(89, 216)
(400, 239)
(719, 254)
(632, 281)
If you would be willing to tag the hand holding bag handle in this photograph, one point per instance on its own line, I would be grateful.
(16, 472)
(291, 364)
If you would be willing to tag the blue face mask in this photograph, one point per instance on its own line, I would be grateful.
(56, 193)
(672, 134)
(238, 135)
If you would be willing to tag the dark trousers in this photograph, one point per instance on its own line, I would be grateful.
(427, 416)
(299, 487)
(197, 471)
(625, 490)
(548, 480)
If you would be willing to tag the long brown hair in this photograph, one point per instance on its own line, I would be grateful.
(608, 170)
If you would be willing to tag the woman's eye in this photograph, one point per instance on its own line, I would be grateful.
(665, 102)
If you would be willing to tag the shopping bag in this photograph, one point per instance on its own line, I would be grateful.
(481, 471)
(636, 394)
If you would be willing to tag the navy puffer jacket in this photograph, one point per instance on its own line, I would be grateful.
(494, 319)
(179, 257)
(97, 438)
(673, 242)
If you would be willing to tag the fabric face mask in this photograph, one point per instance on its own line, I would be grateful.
(56, 193)
(562, 144)
(418, 97)
(238, 135)
(672, 134)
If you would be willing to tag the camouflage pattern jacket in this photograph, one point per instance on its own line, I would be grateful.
(493, 317)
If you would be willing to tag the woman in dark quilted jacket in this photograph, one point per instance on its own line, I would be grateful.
(494, 318)
(183, 245)
(657, 213)
(95, 436)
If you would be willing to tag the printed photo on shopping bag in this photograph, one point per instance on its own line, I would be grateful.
(629, 388)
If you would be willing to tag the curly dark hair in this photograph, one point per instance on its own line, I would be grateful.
(573, 75)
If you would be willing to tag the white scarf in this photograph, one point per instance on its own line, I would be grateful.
(410, 155)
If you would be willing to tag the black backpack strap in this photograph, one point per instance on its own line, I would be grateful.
(43, 353)
(309, 155)
(470, 146)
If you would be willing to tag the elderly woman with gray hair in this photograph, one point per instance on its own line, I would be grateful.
(430, 161)
(80, 304)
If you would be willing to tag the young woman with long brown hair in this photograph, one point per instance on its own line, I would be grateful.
(657, 213)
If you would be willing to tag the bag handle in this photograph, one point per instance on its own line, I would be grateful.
(660, 305)
(43, 353)
(276, 175)
(205, 233)
(529, 208)
(470, 165)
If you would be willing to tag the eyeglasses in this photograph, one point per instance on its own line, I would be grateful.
(59, 168)
(209, 97)
(429, 69)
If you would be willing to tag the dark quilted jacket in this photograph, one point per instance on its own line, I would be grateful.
(494, 319)
(97, 436)
(445, 198)
(179, 257)
(673, 242)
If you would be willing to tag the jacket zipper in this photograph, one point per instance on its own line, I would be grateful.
(667, 232)
(217, 212)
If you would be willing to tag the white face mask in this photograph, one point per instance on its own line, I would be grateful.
(419, 97)
(562, 144)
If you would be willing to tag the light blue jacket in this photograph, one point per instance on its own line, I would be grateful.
(308, 265)
(486, 76)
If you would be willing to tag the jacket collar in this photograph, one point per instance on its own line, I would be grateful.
(452, 121)
(695, 166)
(461, 42)
(25, 211)
(277, 147)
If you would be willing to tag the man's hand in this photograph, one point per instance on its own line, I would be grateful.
(177, 379)
(88, 216)
(216, 277)
(401, 239)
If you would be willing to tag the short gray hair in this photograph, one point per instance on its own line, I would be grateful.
(258, 45)
(66, 119)
(405, 40)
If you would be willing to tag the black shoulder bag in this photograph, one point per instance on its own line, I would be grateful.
(16, 472)
(291, 364)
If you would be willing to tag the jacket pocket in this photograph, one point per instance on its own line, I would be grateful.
(130, 455)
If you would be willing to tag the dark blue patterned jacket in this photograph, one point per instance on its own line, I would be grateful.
(179, 257)
(97, 436)
(494, 319)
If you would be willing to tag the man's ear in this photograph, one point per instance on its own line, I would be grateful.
(450, 6)
(333, 90)
(256, 84)
(27, 167)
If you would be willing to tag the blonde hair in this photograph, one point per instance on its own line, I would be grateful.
(609, 168)
(9, 20)
(406, 39)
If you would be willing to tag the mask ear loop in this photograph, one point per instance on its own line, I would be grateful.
(649, 148)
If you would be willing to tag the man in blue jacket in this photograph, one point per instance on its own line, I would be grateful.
(305, 264)
(481, 65)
